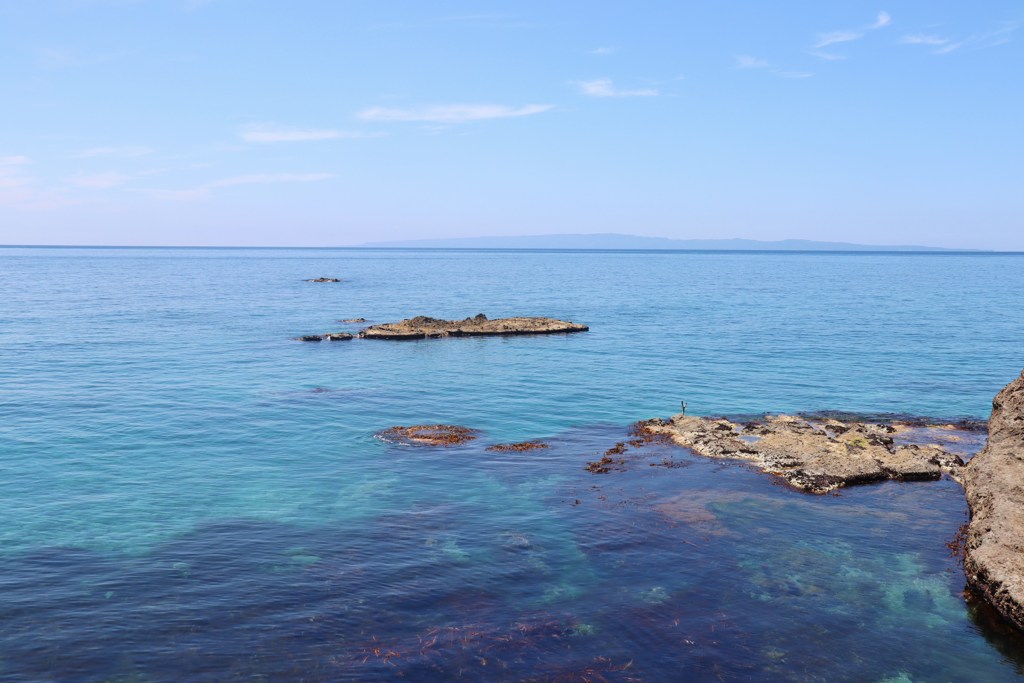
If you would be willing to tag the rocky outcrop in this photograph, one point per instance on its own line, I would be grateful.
(994, 481)
(324, 279)
(422, 327)
(329, 336)
(816, 456)
(428, 435)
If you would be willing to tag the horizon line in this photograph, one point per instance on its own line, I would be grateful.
(879, 250)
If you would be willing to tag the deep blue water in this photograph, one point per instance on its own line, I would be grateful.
(188, 494)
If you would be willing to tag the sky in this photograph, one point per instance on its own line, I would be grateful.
(337, 122)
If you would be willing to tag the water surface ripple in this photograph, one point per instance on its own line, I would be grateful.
(188, 494)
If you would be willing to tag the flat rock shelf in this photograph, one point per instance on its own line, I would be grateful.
(815, 456)
(422, 327)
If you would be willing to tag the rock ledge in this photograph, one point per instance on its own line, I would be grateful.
(815, 456)
(422, 327)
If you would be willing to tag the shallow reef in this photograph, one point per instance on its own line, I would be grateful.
(428, 435)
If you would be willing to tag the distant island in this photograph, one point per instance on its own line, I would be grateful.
(618, 241)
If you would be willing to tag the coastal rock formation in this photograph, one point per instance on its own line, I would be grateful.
(428, 435)
(329, 336)
(816, 456)
(994, 480)
(324, 279)
(422, 327)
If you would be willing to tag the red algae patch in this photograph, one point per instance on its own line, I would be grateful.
(640, 435)
(428, 435)
(518, 447)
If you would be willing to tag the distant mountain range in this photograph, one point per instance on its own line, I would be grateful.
(616, 241)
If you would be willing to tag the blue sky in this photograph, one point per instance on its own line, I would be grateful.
(335, 122)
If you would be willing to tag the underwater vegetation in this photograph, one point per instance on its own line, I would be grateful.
(428, 435)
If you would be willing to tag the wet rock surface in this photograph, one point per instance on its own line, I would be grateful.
(813, 455)
(994, 481)
(324, 279)
(428, 435)
(329, 336)
(422, 327)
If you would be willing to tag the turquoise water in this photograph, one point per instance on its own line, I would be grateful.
(187, 493)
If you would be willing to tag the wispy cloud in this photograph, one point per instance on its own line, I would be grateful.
(883, 20)
(12, 174)
(976, 41)
(828, 56)
(452, 113)
(603, 87)
(748, 62)
(495, 21)
(122, 151)
(19, 190)
(267, 133)
(99, 181)
(65, 57)
(826, 39)
(603, 51)
(15, 187)
(206, 189)
(923, 39)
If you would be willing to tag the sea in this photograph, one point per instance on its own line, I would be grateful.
(187, 493)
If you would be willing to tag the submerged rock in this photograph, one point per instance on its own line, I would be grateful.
(518, 447)
(353, 320)
(994, 481)
(816, 456)
(428, 435)
(329, 336)
(324, 279)
(422, 327)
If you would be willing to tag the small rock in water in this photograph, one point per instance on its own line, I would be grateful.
(428, 435)
(423, 327)
(330, 336)
(324, 279)
(353, 320)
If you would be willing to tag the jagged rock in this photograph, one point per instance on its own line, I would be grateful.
(817, 456)
(994, 481)
(324, 279)
(422, 327)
